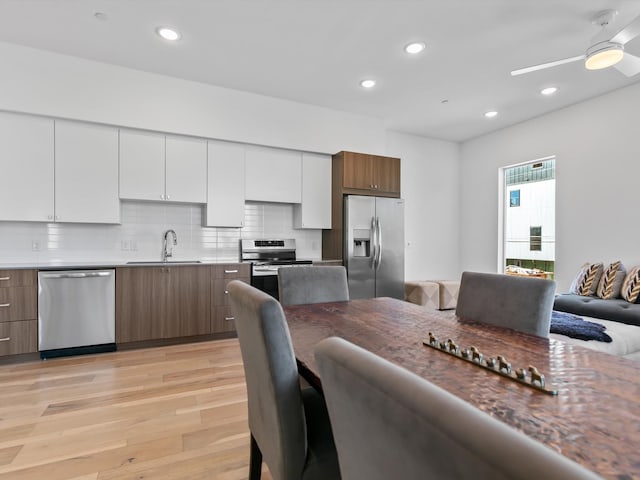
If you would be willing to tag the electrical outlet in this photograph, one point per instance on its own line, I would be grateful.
(133, 245)
(125, 245)
(35, 245)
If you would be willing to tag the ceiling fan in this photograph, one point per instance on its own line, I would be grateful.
(602, 53)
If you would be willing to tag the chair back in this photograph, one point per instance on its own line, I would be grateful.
(312, 284)
(389, 423)
(276, 415)
(519, 303)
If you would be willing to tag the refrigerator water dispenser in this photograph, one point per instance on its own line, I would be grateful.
(361, 242)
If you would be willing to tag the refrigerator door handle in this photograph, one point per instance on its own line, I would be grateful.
(379, 237)
(374, 243)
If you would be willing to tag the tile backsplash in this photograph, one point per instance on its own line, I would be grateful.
(139, 236)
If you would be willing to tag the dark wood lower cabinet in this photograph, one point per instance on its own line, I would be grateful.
(154, 303)
(222, 319)
(18, 337)
(162, 302)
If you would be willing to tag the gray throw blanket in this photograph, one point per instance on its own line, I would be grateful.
(576, 327)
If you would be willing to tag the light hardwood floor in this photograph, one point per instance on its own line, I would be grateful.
(176, 412)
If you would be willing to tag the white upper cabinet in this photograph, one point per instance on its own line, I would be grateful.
(86, 173)
(26, 168)
(225, 196)
(273, 175)
(315, 209)
(186, 170)
(155, 167)
(141, 165)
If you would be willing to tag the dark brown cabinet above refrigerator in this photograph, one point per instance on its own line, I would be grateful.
(357, 174)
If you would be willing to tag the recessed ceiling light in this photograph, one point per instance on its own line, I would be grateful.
(549, 90)
(491, 114)
(168, 33)
(415, 47)
(368, 83)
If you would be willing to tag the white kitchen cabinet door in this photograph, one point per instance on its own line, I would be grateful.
(142, 165)
(86, 173)
(273, 175)
(225, 185)
(186, 170)
(315, 209)
(26, 168)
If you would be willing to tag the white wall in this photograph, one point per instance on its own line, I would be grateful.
(429, 183)
(597, 170)
(39, 82)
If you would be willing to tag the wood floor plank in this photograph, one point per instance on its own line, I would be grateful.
(175, 412)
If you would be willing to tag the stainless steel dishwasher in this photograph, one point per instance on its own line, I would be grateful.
(76, 312)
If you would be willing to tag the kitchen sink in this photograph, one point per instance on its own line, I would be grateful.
(160, 262)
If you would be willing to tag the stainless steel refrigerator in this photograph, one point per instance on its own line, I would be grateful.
(374, 246)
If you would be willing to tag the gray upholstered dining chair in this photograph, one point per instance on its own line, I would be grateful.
(289, 427)
(312, 284)
(520, 303)
(390, 423)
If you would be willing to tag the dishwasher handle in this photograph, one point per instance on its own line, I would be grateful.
(75, 275)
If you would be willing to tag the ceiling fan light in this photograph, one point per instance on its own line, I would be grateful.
(603, 55)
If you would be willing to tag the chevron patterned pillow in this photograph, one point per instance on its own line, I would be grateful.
(586, 282)
(631, 286)
(611, 281)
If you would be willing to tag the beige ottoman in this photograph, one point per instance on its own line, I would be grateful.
(426, 294)
(448, 294)
(434, 294)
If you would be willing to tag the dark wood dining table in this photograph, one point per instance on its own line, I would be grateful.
(594, 419)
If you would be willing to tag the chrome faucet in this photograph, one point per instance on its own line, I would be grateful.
(168, 253)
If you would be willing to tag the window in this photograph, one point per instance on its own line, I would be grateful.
(514, 198)
(528, 216)
(535, 239)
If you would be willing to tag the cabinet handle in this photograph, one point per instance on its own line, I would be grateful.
(49, 217)
(5, 339)
(57, 217)
(231, 271)
(226, 292)
(5, 305)
(162, 197)
(5, 278)
(168, 197)
(228, 319)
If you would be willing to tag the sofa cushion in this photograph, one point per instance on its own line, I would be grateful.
(631, 286)
(611, 281)
(616, 309)
(586, 281)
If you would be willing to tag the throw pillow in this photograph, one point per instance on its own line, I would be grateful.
(611, 281)
(631, 285)
(586, 282)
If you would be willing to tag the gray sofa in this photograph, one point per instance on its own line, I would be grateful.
(621, 318)
(617, 309)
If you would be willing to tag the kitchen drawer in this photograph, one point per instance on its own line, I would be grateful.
(233, 270)
(223, 320)
(18, 278)
(18, 337)
(18, 303)
(220, 294)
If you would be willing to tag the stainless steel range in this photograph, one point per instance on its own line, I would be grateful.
(267, 256)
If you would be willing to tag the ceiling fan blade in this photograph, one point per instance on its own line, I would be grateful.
(629, 65)
(542, 66)
(629, 32)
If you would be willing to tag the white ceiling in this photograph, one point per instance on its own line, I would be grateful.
(316, 51)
